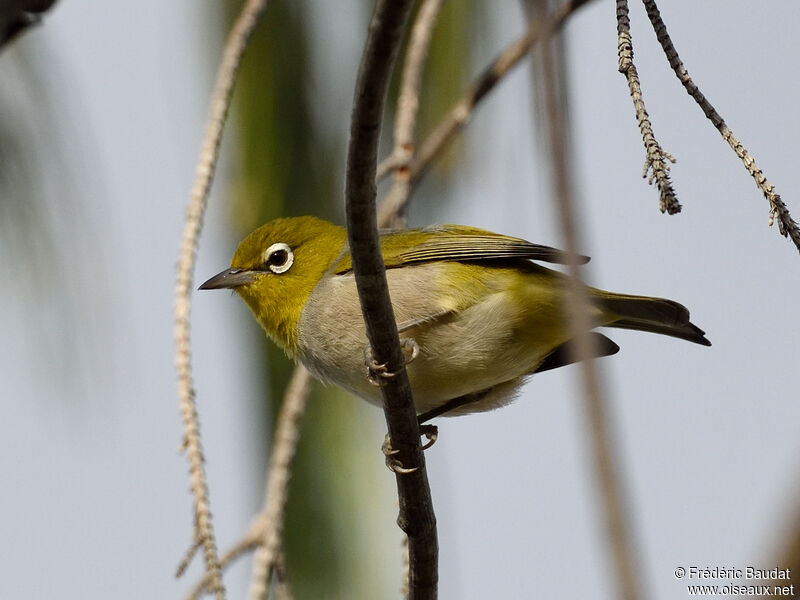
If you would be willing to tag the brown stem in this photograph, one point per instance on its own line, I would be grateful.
(416, 516)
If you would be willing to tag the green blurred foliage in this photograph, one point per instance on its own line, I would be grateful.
(285, 165)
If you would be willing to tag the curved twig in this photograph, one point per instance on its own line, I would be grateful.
(266, 530)
(416, 516)
(284, 449)
(657, 160)
(250, 541)
(223, 88)
(787, 226)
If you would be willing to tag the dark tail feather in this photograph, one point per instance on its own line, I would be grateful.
(656, 315)
(565, 353)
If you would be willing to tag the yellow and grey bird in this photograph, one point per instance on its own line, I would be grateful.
(479, 314)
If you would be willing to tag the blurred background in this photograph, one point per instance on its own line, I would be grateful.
(102, 110)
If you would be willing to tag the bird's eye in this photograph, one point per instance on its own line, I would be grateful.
(278, 258)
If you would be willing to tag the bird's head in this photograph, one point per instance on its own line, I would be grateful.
(275, 269)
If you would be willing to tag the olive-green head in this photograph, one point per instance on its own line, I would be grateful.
(275, 269)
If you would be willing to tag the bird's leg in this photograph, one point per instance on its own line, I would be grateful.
(377, 372)
(451, 404)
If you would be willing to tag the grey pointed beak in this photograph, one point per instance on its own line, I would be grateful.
(230, 279)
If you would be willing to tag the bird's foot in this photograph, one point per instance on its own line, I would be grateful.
(378, 373)
(392, 462)
(431, 432)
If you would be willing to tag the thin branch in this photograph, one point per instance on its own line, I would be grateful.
(407, 109)
(416, 516)
(223, 88)
(787, 226)
(555, 126)
(461, 112)
(657, 159)
(250, 541)
(266, 531)
(282, 590)
(387, 165)
(276, 493)
(188, 557)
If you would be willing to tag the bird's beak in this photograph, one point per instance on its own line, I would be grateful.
(229, 278)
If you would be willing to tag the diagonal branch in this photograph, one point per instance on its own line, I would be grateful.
(416, 516)
(598, 422)
(461, 112)
(657, 160)
(787, 226)
(220, 101)
(407, 109)
(250, 541)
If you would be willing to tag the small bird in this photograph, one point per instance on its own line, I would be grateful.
(475, 315)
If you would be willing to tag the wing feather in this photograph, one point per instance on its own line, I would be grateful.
(456, 243)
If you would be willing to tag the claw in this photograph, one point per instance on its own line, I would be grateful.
(410, 350)
(386, 447)
(377, 373)
(431, 432)
(392, 463)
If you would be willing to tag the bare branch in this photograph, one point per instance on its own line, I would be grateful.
(555, 127)
(387, 165)
(416, 516)
(787, 226)
(266, 531)
(461, 112)
(248, 542)
(282, 591)
(657, 160)
(223, 88)
(407, 109)
(284, 449)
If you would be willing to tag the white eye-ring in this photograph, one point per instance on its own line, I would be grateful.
(278, 258)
